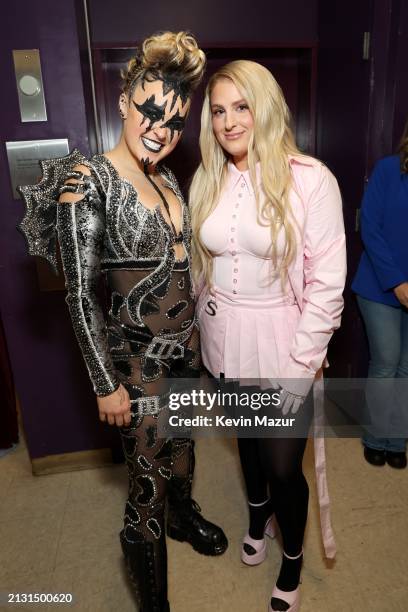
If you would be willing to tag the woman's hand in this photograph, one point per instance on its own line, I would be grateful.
(115, 408)
(401, 293)
(288, 402)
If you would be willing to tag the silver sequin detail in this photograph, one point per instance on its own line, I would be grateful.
(144, 463)
(132, 515)
(147, 493)
(183, 306)
(146, 405)
(153, 526)
(108, 229)
(165, 472)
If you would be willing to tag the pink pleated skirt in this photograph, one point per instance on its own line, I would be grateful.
(248, 337)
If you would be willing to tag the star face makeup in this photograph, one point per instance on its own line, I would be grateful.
(156, 115)
(151, 111)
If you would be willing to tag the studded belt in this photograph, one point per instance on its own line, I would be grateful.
(169, 346)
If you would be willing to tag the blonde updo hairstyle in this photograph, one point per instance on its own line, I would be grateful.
(175, 55)
(271, 144)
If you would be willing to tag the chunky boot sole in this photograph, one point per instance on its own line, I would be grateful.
(204, 548)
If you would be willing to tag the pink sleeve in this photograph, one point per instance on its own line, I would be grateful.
(324, 273)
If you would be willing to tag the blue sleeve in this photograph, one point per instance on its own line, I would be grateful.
(388, 273)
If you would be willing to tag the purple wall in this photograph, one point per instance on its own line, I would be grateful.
(401, 81)
(362, 106)
(212, 21)
(343, 104)
(389, 84)
(58, 406)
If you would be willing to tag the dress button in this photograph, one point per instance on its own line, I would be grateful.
(242, 185)
(236, 205)
(232, 240)
(234, 253)
(236, 259)
(240, 195)
(235, 270)
(234, 216)
(235, 281)
(232, 229)
(234, 291)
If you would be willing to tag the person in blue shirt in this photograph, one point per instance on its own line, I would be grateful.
(381, 285)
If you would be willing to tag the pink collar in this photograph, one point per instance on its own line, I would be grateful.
(234, 175)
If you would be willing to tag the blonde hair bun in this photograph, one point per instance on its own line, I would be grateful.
(170, 53)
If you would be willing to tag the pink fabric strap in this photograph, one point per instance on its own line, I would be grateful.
(320, 468)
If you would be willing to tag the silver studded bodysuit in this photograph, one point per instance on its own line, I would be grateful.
(150, 330)
(149, 333)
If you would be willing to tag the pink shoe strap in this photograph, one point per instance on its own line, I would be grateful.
(257, 545)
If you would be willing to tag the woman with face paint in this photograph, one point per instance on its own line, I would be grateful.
(269, 255)
(121, 216)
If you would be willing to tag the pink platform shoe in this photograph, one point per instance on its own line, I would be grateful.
(258, 545)
(291, 597)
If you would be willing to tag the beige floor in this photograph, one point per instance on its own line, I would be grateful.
(58, 534)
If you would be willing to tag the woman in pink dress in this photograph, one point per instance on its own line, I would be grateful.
(269, 255)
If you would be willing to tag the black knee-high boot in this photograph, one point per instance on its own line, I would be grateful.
(143, 538)
(147, 566)
(185, 522)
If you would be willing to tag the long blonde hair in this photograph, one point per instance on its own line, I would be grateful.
(271, 144)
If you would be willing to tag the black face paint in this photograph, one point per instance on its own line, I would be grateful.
(146, 163)
(171, 83)
(180, 90)
(155, 113)
(175, 123)
(151, 111)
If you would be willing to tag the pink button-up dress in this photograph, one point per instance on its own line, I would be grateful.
(262, 330)
(255, 319)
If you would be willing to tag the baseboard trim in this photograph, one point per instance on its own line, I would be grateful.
(69, 462)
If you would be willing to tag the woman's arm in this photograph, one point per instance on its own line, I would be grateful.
(81, 231)
(324, 273)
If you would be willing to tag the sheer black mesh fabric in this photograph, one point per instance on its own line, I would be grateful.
(151, 462)
(167, 311)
